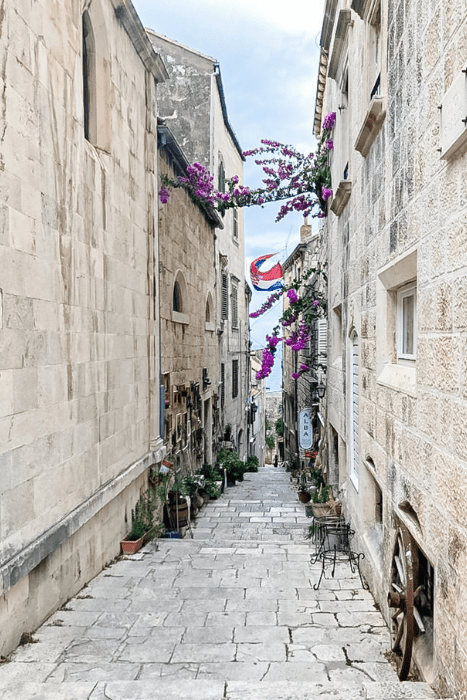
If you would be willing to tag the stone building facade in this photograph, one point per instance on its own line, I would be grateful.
(299, 394)
(257, 411)
(192, 104)
(396, 233)
(188, 304)
(79, 347)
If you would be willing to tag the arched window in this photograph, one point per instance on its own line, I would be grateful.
(177, 298)
(89, 79)
(96, 77)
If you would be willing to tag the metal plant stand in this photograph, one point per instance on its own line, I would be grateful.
(332, 539)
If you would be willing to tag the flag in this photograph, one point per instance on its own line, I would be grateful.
(265, 281)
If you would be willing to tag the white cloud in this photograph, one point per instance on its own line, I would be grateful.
(293, 17)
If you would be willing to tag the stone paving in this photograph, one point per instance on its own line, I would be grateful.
(230, 614)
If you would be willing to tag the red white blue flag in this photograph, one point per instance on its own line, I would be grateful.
(265, 281)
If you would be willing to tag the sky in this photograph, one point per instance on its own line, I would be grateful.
(268, 52)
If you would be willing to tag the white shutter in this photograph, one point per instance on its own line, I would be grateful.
(355, 407)
(322, 339)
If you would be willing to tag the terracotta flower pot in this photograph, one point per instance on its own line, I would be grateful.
(304, 496)
(131, 546)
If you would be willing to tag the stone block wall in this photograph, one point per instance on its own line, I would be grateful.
(406, 219)
(78, 422)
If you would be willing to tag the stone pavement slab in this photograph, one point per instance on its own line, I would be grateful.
(229, 614)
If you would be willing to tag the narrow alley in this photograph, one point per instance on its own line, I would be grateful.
(231, 613)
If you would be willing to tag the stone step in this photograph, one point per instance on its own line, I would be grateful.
(188, 689)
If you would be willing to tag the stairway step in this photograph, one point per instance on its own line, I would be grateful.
(176, 688)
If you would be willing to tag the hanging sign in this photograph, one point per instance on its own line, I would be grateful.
(305, 429)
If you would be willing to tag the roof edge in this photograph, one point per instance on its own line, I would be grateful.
(167, 141)
(127, 15)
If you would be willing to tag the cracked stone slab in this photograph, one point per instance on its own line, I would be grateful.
(233, 672)
(195, 653)
(164, 689)
(71, 672)
(48, 691)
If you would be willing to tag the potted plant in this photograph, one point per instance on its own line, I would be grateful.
(212, 489)
(303, 488)
(324, 502)
(142, 523)
(192, 486)
(252, 464)
(233, 465)
(177, 507)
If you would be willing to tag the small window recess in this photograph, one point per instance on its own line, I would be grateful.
(407, 323)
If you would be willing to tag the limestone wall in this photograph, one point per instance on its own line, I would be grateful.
(189, 340)
(405, 221)
(78, 357)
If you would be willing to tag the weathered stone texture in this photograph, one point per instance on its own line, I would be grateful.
(76, 250)
(405, 197)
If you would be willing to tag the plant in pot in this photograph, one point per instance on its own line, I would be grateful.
(212, 489)
(303, 488)
(142, 522)
(252, 463)
(228, 433)
(324, 502)
(214, 474)
(192, 486)
(177, 506)
(233, 465)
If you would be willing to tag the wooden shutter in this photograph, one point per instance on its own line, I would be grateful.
(225, 295)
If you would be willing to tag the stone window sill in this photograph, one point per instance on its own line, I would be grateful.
(371, 125)
(399, 377)
(178, 317)
(341, 197)
(210, 326)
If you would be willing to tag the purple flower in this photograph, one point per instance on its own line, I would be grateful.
(329, 120)
(295, 375)
(326, 192)
(164, 195)
(316, 302)
(304, 368)
(293, 298)
(329, 143)
(234, 179)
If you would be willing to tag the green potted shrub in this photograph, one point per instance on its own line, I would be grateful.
(303, 488)
(142, 523)
(252, 464)
(233, 465)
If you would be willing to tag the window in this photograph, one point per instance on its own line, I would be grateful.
(221, 176)
(89, 79)
(234, 379)
(396, 323)
(177, 298)
(96, 77)
(222, 385)
(234, 301)
(407, 323)
(235, 223)
(354, 398)
(225, 295)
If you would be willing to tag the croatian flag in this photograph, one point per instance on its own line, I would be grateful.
(265, 281)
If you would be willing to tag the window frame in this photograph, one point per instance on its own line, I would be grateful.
(235, 370)
(234, 302)
(403, 293)
(224, 295)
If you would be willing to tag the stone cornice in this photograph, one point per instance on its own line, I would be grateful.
(127, 15)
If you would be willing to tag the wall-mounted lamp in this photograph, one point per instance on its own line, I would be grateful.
(321, 390)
